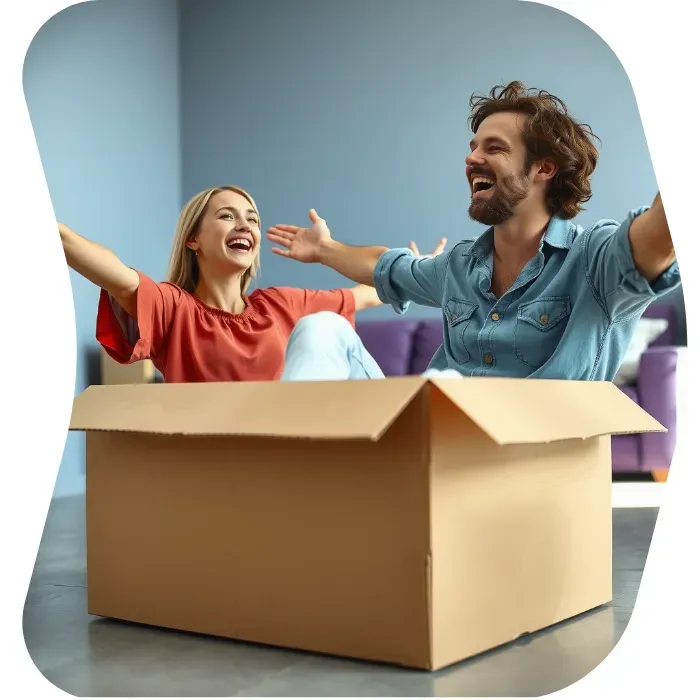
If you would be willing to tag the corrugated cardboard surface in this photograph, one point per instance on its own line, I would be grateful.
(528, 411)
(379, 520)
(283, 542)
(320, 410)
(521, 536)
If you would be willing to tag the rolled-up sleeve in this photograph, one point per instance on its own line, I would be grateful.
(401, 278)
(612, 272)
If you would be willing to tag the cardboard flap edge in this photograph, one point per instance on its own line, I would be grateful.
(625, 416)
(160, 409)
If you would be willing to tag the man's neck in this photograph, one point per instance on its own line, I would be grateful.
(519, 237)
(224, 293)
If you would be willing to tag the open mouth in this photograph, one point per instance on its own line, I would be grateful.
(242, 244)
(481, 184)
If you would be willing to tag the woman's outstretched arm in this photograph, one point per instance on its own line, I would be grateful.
(102, 267)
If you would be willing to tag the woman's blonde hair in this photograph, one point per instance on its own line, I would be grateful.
(183, 269)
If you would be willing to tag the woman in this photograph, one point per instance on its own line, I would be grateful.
(201, 325)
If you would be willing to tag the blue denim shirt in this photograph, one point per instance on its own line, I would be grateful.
(569, 315)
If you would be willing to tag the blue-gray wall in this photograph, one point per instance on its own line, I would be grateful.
(359, 109)
(101, 83)
(356, 108)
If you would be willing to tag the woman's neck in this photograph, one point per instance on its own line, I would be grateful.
(224, 294)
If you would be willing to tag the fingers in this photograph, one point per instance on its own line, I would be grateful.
(284, 230)
(440, 246)
(314, 217)
(283, 240)
(279, 251)
(439, 249)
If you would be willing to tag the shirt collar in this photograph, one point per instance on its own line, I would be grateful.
(558, 235)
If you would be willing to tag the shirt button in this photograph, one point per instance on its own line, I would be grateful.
(495, 316)
(488, 359)
(544, 319)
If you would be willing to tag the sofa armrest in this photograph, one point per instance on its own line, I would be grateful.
(656, 390)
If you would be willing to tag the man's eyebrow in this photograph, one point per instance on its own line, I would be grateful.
(489, 139)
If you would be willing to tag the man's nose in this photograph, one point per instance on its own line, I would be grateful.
(474, 158)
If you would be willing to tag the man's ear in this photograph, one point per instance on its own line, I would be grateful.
(545, 170)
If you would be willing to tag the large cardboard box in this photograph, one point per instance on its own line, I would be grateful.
(410, 521)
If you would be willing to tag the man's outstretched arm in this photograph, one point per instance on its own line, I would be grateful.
(650, 240)
(402, 276)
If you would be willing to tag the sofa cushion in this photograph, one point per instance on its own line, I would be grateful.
(427, 339)
(631, 391)
(626, 449)
(646, 332)
(389, 342)
(670, 314)
(626, 455)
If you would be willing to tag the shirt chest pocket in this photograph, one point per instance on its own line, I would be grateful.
(539, 328)
(458, 318)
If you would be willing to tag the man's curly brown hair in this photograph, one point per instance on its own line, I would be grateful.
(550, 133)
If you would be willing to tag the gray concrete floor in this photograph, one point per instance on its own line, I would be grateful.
(87, 656)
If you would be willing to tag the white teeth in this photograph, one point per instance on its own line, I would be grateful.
(478, 180)
(239, 241)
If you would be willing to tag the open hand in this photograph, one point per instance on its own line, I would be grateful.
(439, 248)
(301, 244)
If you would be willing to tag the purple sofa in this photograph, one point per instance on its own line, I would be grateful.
(404, 346)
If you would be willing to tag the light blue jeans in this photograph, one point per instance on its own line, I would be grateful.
(325, 347)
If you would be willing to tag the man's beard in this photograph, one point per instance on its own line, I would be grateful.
(500, 206)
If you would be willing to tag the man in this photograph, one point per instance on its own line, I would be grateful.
(534, 295)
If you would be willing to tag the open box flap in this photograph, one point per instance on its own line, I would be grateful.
(320, 410)
(518, 411)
